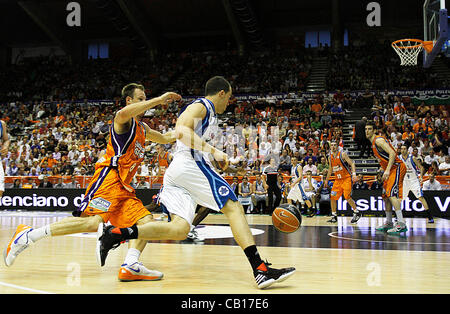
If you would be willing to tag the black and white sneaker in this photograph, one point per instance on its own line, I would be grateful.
(106, 241)
(333, 219)
(311, 212)
(356, 217)
(266, 276)
(193, 236)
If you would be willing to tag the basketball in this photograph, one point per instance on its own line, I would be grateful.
(286, 218)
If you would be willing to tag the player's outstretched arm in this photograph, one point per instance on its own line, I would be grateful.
(125, 114)
(157, 137)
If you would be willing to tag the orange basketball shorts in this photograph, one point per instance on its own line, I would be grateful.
(106, 196)
(393, 186)
(341, 187)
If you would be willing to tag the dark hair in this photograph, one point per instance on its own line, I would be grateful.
(372, 124)
(216, 84)
(128, 90)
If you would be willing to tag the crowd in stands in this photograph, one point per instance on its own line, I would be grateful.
(368, 65)
(54, 135)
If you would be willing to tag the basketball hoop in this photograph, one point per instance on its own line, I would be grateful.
(409, 49)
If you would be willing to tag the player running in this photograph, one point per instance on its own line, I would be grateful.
(109, 196)
(191, 180)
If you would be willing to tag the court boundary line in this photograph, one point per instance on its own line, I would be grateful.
(331, 235)
(10, 285)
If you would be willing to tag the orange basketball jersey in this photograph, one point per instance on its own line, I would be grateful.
(382, 156)
(339, 167)
(124, 152)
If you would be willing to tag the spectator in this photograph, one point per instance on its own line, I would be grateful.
(256, 167)
(260, 200)
(44, 182)
(431, 157)
(323, 165)
(378, 183)
(236, 161)
(12, 169)
(360, 184)
(28, 183)
(17, 184)
(60, 184)
(234, 185)
(434, 168)
(245, 191)
(432, 184)
(444, 167)
(310, 167)
(290, 140)
(310, 155)
(33, 172)
(143, 183)
(285, 161)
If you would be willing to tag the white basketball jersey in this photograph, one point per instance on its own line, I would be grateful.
(206, 129)
(412, 171)
(295, 172)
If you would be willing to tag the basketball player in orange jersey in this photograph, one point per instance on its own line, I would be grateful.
(394, 172)
(109, 196)
(345, 172)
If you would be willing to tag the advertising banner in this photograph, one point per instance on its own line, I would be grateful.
(55, 199)
(370, 203)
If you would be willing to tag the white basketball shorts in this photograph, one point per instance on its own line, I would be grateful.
(412, 184)
(188, 183)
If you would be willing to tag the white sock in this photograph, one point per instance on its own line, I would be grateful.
(399, 215)
(132, 256)
(389, 216)
(39, 233)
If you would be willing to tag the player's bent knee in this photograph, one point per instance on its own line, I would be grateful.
(232, 207)
(179, 228)
(92, 223)
(145, 220)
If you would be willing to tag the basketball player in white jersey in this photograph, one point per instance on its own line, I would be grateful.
(413, 179)
(3, 151)
(190, 180)
(297, 193)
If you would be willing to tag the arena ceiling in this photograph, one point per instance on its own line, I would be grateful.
(170, 23)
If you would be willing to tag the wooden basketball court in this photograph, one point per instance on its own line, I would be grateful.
(329, 258)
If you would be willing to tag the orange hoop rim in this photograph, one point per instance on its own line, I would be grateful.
(427, 45)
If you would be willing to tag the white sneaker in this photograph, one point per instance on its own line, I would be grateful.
(137, 271)
(19, 242)
(193, 236)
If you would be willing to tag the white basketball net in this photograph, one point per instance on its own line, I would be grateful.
(408, 51)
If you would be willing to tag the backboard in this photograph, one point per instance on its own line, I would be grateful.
(435, 27)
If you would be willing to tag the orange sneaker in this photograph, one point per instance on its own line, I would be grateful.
(19, 242)
(137, 271)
